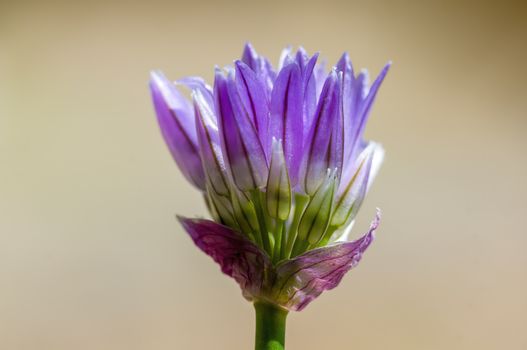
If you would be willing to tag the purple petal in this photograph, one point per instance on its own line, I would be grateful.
(240, 143)
(366, 105)
(238, 257)
(336, 153)
(286, 116)
(353, 191)
(268, 71)
(310, 92)
(320, 74)
(320, 143)
(260, 65)
(198, 83)
(254, 99)
(285, 57)
(278, 196)
(176, 121)
(301, 57)
(210, 144)
(369, 149)
(250, 57)
(302, 279)
(309, 84)
(349, 103)
(248, 131)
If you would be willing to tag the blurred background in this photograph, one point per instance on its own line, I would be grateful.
(91, 255)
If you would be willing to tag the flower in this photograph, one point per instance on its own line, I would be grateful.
(280, 158)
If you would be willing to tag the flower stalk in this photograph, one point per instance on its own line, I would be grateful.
(270, 326)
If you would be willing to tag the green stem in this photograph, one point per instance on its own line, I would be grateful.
(270, 326)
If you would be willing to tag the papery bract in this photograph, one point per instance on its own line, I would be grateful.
(293, 283)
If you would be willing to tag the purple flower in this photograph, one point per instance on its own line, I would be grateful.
(282, 162)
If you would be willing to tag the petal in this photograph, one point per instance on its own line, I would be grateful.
(317, 215)
(210, 144)
(240, 144)
(353, 192)
(248, 131)
(336, 154)
(176, 121)
(319, 72)
(278, 194)
(260, 65)
(244, 213)
(348, 103)
(250, 57)
(310, 92)
(366, 105)
(221, 207)
(320, 143)
(378, 158)
(254, 99)
(285, 57)
(302, 279)
(286, 116)
(198, 83)
(238, 257)
(301, 57)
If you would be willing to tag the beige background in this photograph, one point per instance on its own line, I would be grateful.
(91, 256)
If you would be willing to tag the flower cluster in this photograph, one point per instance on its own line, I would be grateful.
(280, 158)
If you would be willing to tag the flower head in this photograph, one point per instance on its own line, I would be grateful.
(281, 160)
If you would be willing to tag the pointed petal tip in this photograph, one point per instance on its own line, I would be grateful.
(345, 57)
(276, 144)
(219, 74)
(375, 222)
(186, 222)
(291, 64)
(333, 75)
(157, 78)
(383, 72)
(183, 221)
(240, 65)
(387, 67)
(196, 94)
(154, 73)
(249, 52)
(248, 46)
